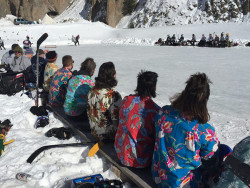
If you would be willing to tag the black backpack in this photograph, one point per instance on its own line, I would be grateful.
(11, 83)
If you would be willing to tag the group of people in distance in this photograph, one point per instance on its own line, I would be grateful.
(175, 140)
(212, 41)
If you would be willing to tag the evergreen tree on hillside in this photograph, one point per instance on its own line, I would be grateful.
(245, 6)
(129, 6)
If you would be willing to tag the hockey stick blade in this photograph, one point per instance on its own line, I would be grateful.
(43, 148)
(241, 170)
(41, 39)
(95, 148)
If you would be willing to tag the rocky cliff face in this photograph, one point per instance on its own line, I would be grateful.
(33, 9)
(107, 11)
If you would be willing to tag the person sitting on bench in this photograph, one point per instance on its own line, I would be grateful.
(184, 141)
(50, 69)
(202, 42)
(103, 103)
(75, 104)
(193, 40)
(59, 83)
(20, 62)
(135, 136)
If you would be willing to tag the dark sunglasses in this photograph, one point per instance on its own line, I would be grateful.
(18, 52)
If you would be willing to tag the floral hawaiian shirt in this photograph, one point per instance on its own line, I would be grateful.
(76, 98)
(58, 87)
(135, 137)
(49, 71)
(103, 108)
(179, 146)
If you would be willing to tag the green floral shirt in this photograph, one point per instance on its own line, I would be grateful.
(103, 108)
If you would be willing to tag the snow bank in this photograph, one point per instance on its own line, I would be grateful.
(48, 20)
(8, 20)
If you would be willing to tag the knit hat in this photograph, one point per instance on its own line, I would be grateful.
(14, 46)
(28, 51)
(40, 52)
(51, 56)
(18, 49)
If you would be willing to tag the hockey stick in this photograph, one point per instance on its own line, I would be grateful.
(241, 170)
(43, 148)
(95, 148)
(39, 42)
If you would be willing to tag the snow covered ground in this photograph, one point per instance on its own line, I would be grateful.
(131, 51)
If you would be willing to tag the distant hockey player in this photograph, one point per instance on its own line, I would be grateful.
(26, 43)
(76, 39)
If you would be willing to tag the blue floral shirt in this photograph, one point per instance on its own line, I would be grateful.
(180, 144)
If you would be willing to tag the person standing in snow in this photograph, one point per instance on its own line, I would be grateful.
(2, 44)
(27, 43)
(185, 142)
(134, 145)
(103, 103)
(77, 40)
(8, 57)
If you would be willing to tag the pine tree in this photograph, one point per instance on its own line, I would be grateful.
(129, 6)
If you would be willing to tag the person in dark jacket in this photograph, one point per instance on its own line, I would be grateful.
(42, 64)
(77, 40)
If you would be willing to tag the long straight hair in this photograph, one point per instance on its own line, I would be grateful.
(106, 76)
(193, 99)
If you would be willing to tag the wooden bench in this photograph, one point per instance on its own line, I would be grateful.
(140, 177)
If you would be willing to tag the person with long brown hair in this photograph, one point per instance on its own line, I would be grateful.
(183, 136)
(103, 103)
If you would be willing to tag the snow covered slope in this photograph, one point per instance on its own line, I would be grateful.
(171, 12)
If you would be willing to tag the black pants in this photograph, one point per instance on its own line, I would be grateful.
(2, 46)
(77, 42)
(81, 117)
